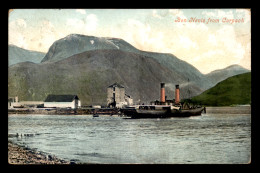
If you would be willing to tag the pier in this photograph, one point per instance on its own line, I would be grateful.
(65, 111)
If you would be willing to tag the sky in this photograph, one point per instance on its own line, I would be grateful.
(208, 39)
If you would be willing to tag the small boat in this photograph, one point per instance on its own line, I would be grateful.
(95, 115)
(160, 111)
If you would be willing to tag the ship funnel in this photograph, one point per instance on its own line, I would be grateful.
(177, 94)
(162, 92)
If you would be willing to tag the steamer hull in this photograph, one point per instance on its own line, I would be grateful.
(187, 112)
(161, 112)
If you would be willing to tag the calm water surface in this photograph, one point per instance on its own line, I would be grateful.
(210, 138)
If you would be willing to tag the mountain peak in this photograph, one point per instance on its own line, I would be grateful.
(76, 43)
(235, 66)
(70, 36)
(230, 68)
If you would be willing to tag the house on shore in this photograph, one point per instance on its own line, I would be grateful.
(62, 101)
(13, 102)
(116, 96)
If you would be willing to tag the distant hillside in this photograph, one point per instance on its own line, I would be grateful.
(234, 90)
(218, 75)
(17, 55)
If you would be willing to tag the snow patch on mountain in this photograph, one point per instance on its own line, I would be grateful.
(111, 41)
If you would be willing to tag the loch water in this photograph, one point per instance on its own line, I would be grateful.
(216, 137)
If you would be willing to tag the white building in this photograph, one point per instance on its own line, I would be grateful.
(13, 102)
(62, 101)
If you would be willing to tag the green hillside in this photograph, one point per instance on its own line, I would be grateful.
(232, 91)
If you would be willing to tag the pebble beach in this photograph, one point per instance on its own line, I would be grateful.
(22, 155)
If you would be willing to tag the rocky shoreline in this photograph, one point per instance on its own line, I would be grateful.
(22, 155)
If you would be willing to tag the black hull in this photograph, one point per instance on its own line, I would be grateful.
(133, 113)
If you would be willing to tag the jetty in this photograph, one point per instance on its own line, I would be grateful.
(65, 111)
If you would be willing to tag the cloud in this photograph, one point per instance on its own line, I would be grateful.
(144, 37)
(75, 22)
(246, 13)
(139, 32)
(18, 24)
(246, 61)
(227, 37)
(16, 30)
(27, 37)
(219, 14)
(87, 24)
(221, 49)
(91, 22)
(186, 42)
(228, 14)
(21, 23)
(20, 41)
(81, 11)
(211, 59)
(48, 34)
(212, 39)
(156, 15)
(209, 55)
(177, 13)
(198, 26)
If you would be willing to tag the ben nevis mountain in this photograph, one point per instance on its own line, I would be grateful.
(87, 65)
(75, 43)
